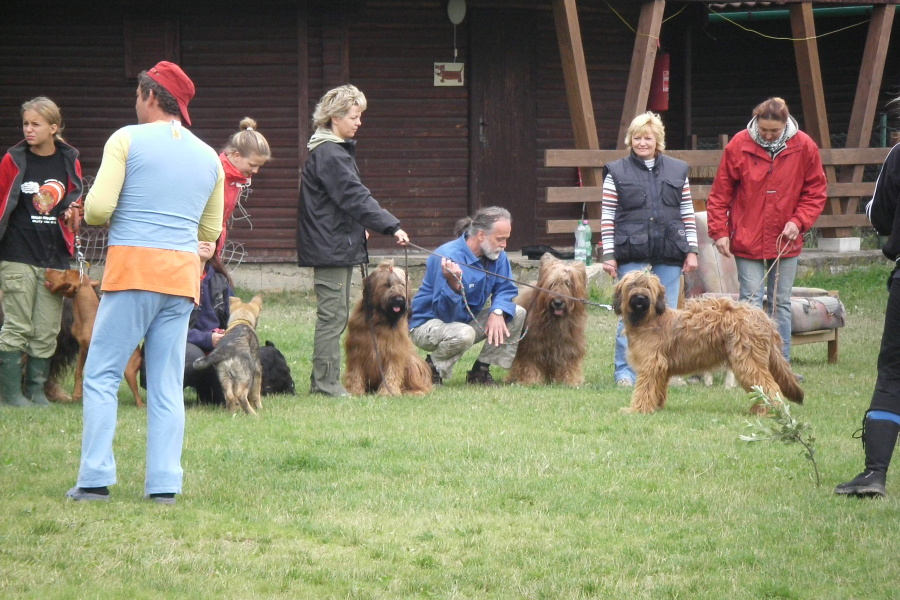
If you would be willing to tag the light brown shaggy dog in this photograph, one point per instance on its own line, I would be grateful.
(554, 346)
(708, 333)
(380, 356)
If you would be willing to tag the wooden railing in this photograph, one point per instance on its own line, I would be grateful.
(707, 161)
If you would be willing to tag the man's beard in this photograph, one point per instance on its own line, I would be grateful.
(491, 253)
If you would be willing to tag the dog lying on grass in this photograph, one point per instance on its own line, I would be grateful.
(276, 374)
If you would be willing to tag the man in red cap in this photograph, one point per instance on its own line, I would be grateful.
(160, 188)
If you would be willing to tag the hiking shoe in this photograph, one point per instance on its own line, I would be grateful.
(624, 382)
(799, 377)
(79, 495)
(436, 378)
(868, 484)
(480, 376)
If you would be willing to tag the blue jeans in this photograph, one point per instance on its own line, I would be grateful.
(123, 319)
(670, 277)
(780, 280)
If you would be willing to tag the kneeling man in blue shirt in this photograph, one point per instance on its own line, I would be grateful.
(461, 302)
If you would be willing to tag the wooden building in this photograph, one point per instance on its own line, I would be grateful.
(430, 154)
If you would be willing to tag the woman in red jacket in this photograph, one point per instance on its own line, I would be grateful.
(40, 179)
(769, 190)
(246, 151)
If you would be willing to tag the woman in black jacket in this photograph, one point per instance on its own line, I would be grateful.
(335, 211)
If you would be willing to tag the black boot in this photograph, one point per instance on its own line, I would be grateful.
(480, 374)
(435, 376)
(879, 438)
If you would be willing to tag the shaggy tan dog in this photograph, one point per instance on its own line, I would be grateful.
(380, 356)
(554, 346)
(708, 333)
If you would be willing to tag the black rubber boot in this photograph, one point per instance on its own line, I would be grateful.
(879, 438)
(11, 379)
(36, 372)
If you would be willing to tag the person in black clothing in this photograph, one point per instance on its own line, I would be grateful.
(881, 422)
(40, 180)
(335, 211)
(208, 324)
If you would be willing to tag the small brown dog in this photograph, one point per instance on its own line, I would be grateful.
(380, 356)
(554, 346)
(708, 333)
(236, 358)
(82, 290)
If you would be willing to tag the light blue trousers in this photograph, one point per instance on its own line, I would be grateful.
(123, 319)
(752, 276)
(670, 278)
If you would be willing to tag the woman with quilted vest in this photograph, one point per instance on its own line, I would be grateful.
(647, 221)
(768, 191)
(40, 180)
(243, 155)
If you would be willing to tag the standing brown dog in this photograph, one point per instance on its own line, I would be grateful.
(554, 346)
(708, 333)
(236, 358)
(81, 289)
(380, 356)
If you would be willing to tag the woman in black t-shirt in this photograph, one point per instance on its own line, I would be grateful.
(40, 179)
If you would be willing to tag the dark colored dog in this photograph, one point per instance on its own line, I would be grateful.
(236, 357)
(276, 374)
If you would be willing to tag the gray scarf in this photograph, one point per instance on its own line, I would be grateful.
(776, 146)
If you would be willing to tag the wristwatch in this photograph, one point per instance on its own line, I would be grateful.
(497, 311)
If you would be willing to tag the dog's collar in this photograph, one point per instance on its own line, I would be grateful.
(239, 322)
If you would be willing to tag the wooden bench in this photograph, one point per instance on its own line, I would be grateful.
(841, 213)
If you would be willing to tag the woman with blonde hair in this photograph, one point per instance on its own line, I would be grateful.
(40, 180)
(336, 209)
(647, 220)
(246, 151)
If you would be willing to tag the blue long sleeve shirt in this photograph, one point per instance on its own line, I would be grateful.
(437, 300)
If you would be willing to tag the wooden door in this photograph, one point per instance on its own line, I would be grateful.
(502, 118)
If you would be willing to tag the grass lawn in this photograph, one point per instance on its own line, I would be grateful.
(512, 492)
